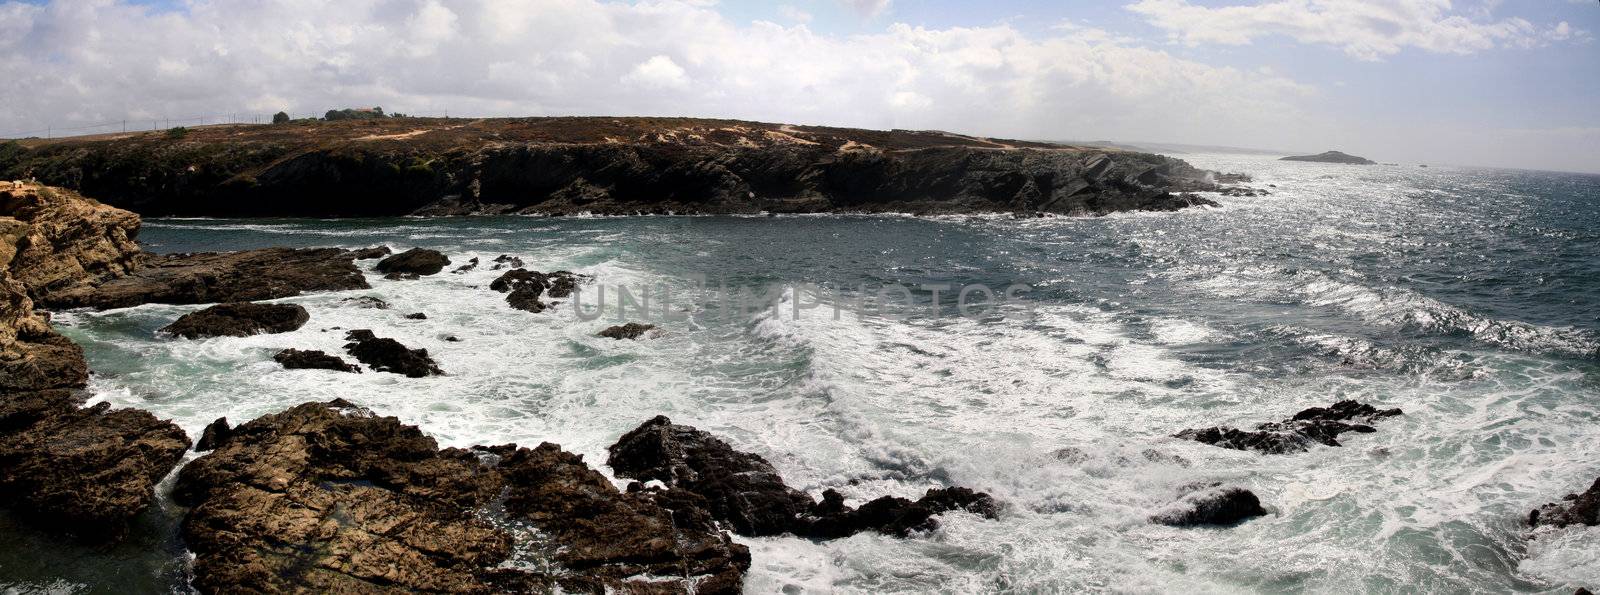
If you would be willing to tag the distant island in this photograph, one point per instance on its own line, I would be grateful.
(1332, 157)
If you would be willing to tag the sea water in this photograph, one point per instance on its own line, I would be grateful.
(1466, 297)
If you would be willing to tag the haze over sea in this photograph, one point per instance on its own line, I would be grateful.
(1466, 297)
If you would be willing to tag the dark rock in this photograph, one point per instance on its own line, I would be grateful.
(506, 261)
(295, 359)
(203, 278)
(328, 497)
(417, 316)
(365, 301)
(87, 471)
(745, 491)
(402, 277)
(632, 330)
(1332, 157)
(216, 434)
(388, 355)
(416, 261)
(1210, 504)
(1317, 425)
(471, 264)
(527, 287)
(526, 298)
(1574, 509)
(369, 253)
(240, 319)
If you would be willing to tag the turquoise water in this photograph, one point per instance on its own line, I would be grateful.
(1466, 297)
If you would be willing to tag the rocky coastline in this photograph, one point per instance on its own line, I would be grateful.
(332, 497)
(602, 166)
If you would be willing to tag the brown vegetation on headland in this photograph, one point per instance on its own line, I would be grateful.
(602, 165)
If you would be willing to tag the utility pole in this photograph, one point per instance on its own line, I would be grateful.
(124, 126)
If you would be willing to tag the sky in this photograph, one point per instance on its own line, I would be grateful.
(1507, 83)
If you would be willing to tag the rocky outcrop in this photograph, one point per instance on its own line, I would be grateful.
(295, 359)
(1317, 425)
(525, 289)
(416, 261)
(632, 330)
(215, 434)
(240, 319)
(1332, 157)
(328, 497)
(602, 165)
(388, 355)
(203, 278)
(1210, 504)
(1574, 509)
(86, 471)
(745, 491)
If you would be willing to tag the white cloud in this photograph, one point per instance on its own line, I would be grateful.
(659, 72)
(1365, 29)
(870, 8)
(793, 14)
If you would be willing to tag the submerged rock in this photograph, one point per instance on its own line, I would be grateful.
(1210, 504)
(295, 359)
(1317, 425)
(526, 287)
(416, 261)
(365, 301)
(745, 491)
(328, 497)
(246, 276)
(240, 319)
(416, 316)
(506, 261)
(632, 330)
(1574, 509)
(388, 355)
(471, 264)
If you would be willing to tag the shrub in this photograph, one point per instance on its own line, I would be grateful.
(354, 114)
(280, 118)
(177, 133)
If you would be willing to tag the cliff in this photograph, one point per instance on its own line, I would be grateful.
(593, 165)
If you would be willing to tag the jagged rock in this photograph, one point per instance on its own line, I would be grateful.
(745, 491)
(402, 277)
(295, 359)
(632, 330)
(86, 471)
(369, 253)
(526, 287)
(1574, 509)
(416, 261)
(328, 497)
(246, 276)
(239, 320)
(55, 239)
(388, 355)
(365, 301)
(40, 359)
(1210, 504)
(471, 264)
(417, 316)
(505, 261)
(1317, 425)
(216, 434)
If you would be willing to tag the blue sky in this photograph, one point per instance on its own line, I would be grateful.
(1490, 82)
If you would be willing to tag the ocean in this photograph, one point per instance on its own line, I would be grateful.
(1466, 297)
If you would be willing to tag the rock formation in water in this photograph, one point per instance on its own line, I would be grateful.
(388, 355)
(86, 471)
(600, 165)
(1332, 157)
(632, 330)
(524, 288)
(203, 278)
(1574, 509)
(745, 491)
(416, 261)
(328, 497)
(1210, 504)
(295, 359)
(239, 319)
(1317, 425)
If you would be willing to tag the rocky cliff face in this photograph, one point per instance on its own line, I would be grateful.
(52, 239)
(598, 165)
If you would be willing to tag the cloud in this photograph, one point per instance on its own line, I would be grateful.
(71, 63)
(869, 8)
(1365, 29)
(793, 14)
